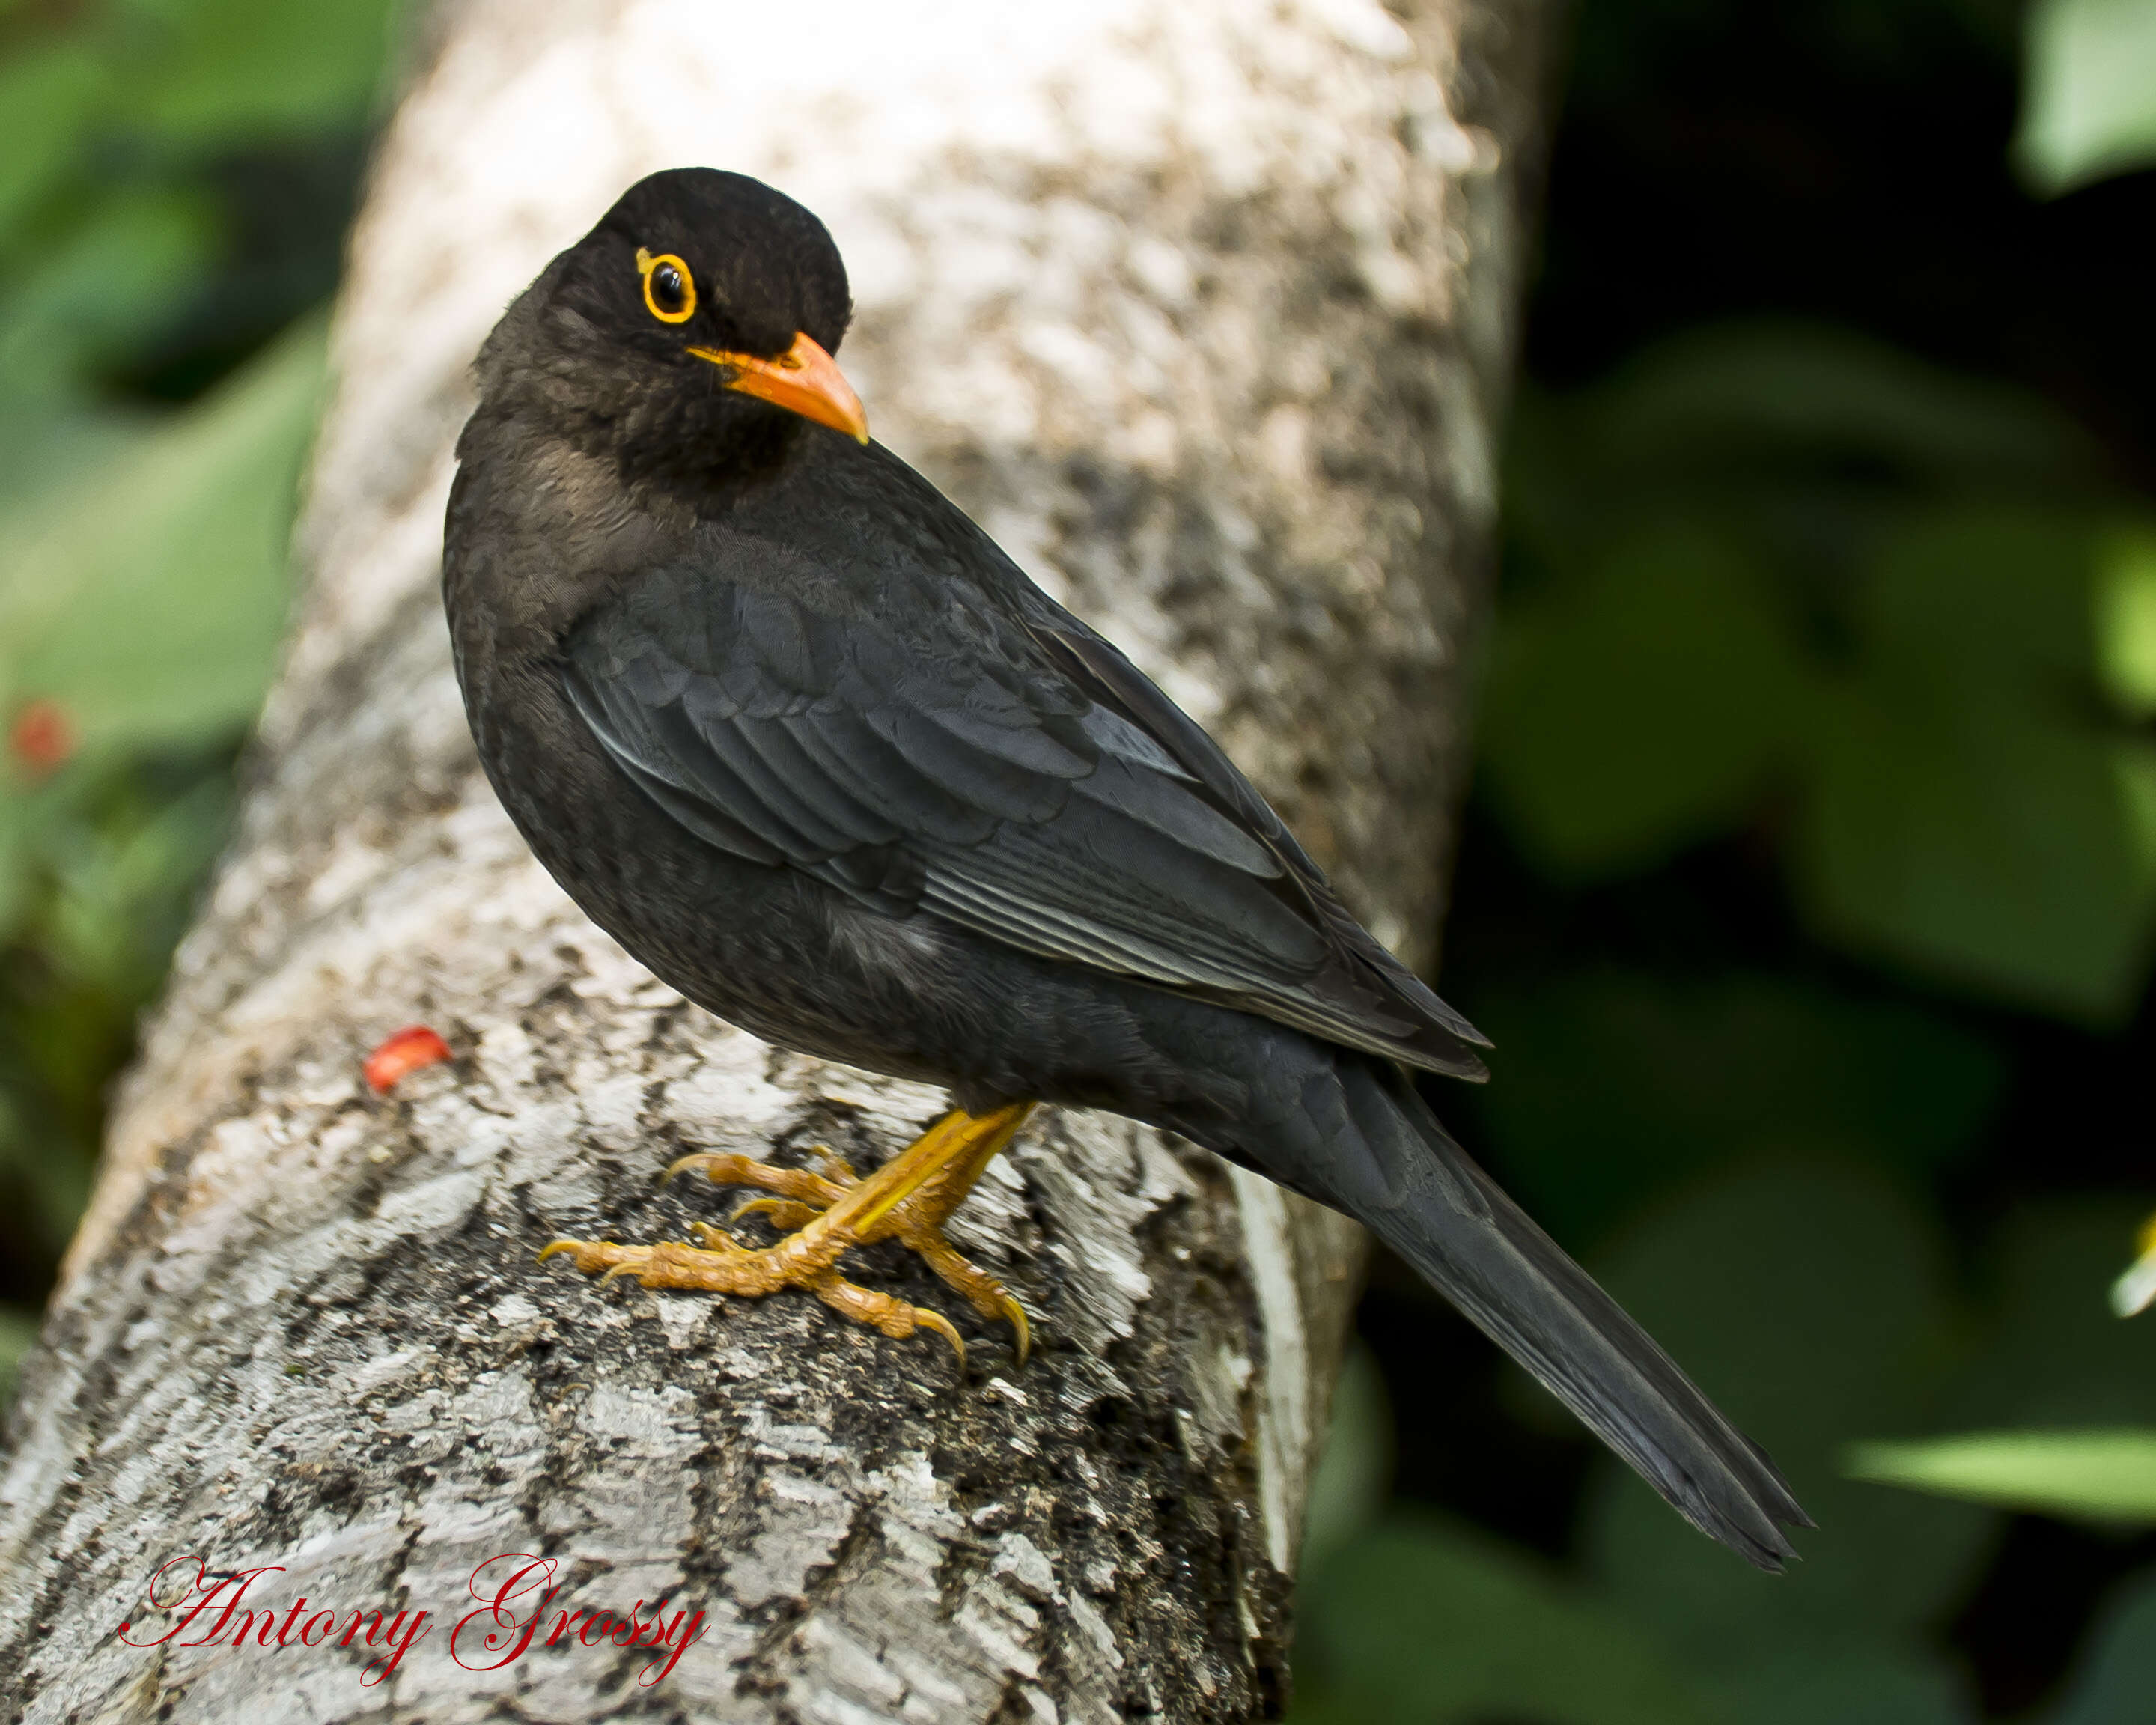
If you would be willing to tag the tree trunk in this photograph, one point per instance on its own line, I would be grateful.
(1203, 311)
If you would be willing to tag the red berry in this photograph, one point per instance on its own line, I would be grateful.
(410, 1049)
(42, 737)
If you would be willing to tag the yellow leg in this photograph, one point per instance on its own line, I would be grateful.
(908, 1199)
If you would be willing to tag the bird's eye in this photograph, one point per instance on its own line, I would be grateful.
(670, 290)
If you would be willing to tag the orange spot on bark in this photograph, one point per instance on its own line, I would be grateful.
(42, 737)
(410, 1049)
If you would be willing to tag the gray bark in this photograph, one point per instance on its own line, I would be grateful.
(1203, 311)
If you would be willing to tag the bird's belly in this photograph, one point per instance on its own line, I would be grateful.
(766, 948)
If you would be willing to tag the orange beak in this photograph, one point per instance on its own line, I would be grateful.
(804, 380)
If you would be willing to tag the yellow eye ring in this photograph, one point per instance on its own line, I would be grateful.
(669, 271)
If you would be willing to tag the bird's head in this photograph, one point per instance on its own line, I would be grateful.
(693, 327)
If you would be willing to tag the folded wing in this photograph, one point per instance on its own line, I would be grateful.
(1026, 784)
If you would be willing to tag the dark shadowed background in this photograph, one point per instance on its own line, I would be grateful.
(1810, 877)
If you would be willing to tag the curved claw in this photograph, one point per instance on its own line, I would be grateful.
(1016, 1313)
(577, 1249)
(714, 1239)
(626, 1267)
(785, 1215)
(689, 1160)
(925, 1319)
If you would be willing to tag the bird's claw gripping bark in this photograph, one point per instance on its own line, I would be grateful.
(717, 1267)
(820, 1216)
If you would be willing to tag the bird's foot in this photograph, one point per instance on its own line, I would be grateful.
(720, 1266)
(823, 1215)
(916, 1223)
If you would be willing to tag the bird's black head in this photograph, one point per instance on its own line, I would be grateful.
(690, 332)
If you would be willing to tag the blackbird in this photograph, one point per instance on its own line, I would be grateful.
(795, 730)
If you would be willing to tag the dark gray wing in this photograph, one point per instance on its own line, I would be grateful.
(1112, 681)
(1013, 780)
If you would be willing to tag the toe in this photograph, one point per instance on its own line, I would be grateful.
(784, 1213)
(894, 1318)
(589, 1254)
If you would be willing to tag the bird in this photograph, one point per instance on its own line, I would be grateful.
(791, 727)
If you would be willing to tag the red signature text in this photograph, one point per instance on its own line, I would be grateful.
(210, 1601)
(514, 1591)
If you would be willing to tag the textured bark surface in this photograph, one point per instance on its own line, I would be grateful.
(1203, 310)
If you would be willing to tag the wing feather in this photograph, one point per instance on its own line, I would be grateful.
(1032, 788)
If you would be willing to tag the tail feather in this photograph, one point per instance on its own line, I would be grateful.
(1426, 1197)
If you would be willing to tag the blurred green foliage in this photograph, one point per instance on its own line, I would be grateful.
(1818, 797)
(2106, 1474)
(1823, 1268)
(1871, 632)
(2088, 112)
(1774, 574)
(175, 175)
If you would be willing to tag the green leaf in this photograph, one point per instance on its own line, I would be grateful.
(1974, 814)
(1640, 706)
(2089, 109)
(150, 600)
(2108, 1475)
(1425, 1622)
(115, 273)
(2015, 858)
(120, 889)
(44, 445)
(221, 72)
(50, 97)
(2125, 618)
(1978, 601)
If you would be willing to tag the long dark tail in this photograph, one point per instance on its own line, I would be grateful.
(1379, 1153)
